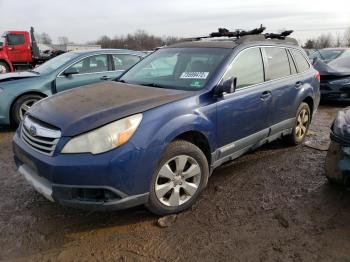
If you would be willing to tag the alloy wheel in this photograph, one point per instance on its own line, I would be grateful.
(26, 106)
(178, 180)
(302, 123)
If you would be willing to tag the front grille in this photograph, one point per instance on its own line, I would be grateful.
(39, 136)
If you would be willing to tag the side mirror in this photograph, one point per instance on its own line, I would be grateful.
(70, 71)
(229, 86)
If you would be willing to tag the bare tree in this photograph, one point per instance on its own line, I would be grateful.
(310, 44)
(347, 37)
(140, 40)
(63, 40)
(44, 38)
(338, 40)
(324, 41)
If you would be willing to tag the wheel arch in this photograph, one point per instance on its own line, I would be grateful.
(198, 139)
(309, 100)
(18, 97)
(7, 63)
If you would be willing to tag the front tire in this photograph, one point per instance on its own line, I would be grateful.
(181, 175)
(22, 105)
(301, 125)
(4, 68)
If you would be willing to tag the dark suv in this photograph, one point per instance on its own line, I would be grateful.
(155, 136)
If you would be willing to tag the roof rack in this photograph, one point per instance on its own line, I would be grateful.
(245, 36)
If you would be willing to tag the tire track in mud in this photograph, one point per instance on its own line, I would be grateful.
(271, 204)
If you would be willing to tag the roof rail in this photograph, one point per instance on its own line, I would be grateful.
(252, 35)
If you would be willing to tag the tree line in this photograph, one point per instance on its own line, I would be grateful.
(141, 40)
(329, 40)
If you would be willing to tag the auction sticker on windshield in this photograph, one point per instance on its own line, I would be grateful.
(194, 75)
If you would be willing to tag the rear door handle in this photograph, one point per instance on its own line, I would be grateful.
(105, 78)
(265, 95)
(298, 84)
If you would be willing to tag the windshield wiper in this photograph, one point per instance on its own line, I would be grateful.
(152, 85)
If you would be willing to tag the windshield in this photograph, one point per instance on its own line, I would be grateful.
(327, 54)
(55, 63)
(177, 68)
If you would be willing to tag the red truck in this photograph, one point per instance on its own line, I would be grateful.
(19, 50)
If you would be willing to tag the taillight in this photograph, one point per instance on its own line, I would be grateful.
(318, 76)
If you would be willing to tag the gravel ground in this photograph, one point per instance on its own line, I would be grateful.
(273, 204)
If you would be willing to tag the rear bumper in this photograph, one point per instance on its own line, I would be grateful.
(334, 93)
(64, 194)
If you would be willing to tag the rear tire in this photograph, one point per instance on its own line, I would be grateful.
(4, 68)
(181, 175)
(22, 105)
(301, 125)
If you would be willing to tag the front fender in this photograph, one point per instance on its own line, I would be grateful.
(12, 90)
(186, 123)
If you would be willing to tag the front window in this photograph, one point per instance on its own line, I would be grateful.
(15, 39)
(55, 63)
(2, 41)
(92, 64)
(177, 68)
(247, 68)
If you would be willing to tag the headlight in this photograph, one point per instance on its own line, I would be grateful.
(344, 81)
(104, 138)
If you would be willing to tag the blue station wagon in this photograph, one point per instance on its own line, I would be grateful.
(154, 136)
(19, 91)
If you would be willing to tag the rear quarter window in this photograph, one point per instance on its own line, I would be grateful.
(301, 62)
(278, 63)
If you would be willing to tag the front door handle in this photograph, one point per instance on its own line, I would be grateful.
(298, 84)
(265, 95)
(105, 78)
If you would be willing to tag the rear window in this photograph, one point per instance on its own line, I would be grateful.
(15, 39)
(124, 62)
(277, 62)
(300, 60)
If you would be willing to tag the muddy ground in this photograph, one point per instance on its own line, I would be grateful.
(273, 204)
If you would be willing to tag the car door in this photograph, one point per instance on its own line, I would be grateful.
(17, 49)
(281, 74)
(90, 70)
(243, 115)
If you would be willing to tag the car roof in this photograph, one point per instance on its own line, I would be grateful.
(230, 44)
(98, 51)
(205, 44)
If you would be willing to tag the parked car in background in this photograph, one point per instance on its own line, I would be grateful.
(155, 136)
(328, 54)
(335, 79)
(338, 155)
(19, 91)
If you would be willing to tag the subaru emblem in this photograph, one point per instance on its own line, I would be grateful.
(32, 130)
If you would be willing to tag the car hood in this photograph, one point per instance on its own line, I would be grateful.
(341, 127)
(337, 67)
(16, 76)
(85, 108)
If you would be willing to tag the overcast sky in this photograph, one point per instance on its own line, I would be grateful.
(86, 20)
